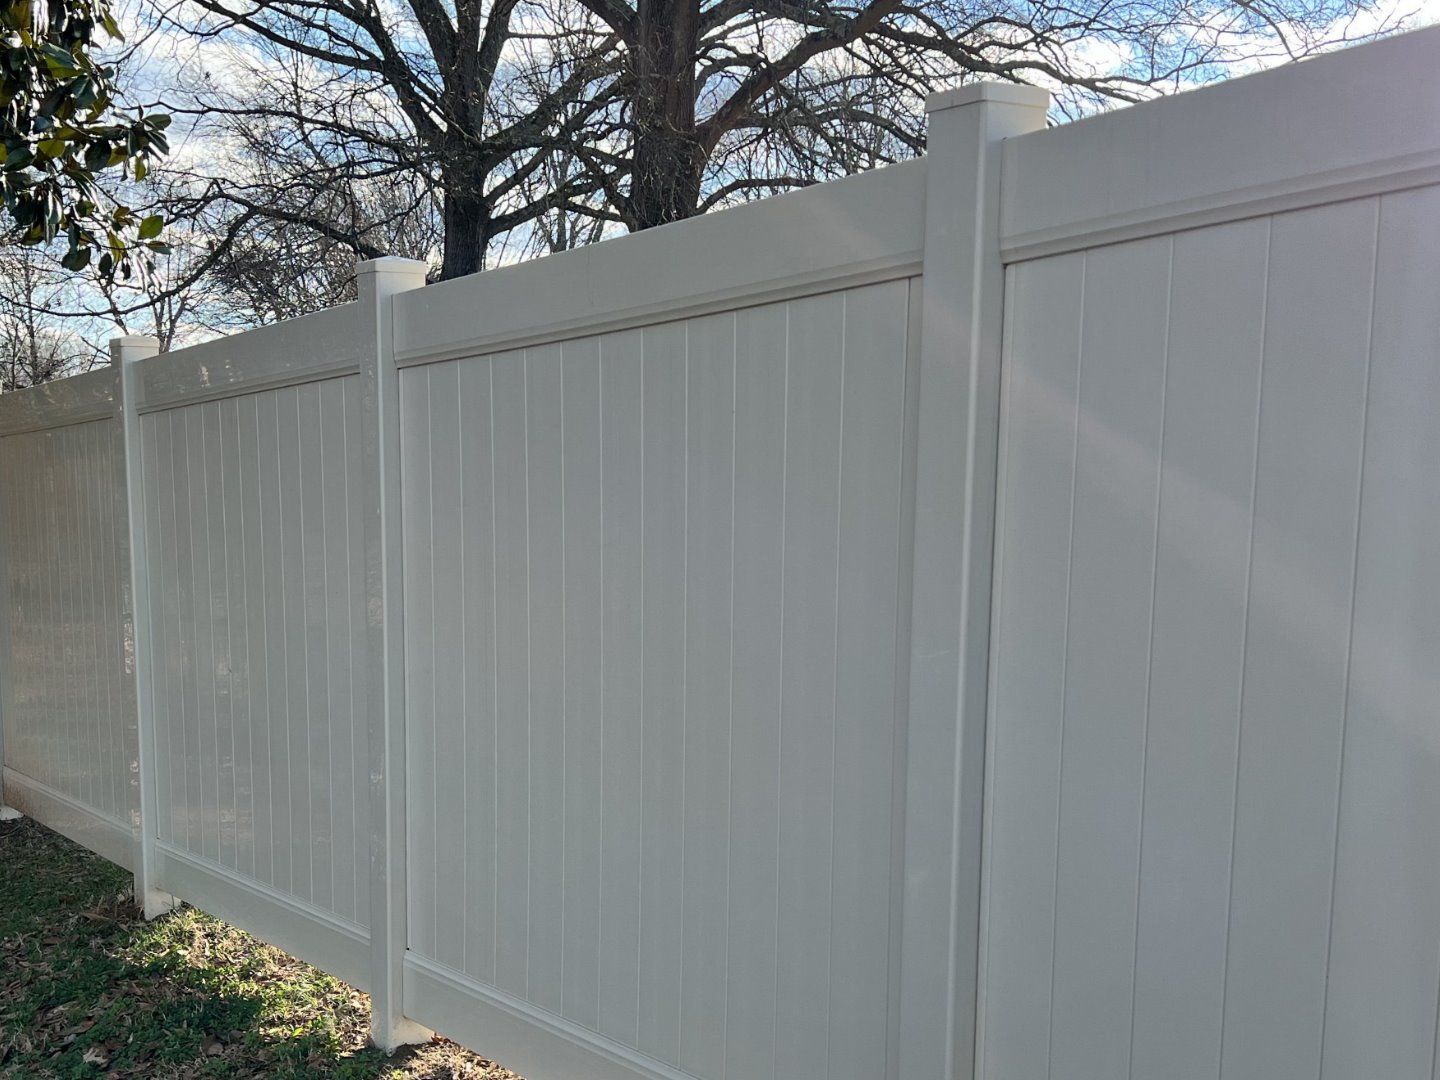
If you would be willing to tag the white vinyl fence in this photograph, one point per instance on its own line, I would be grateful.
(595, 659)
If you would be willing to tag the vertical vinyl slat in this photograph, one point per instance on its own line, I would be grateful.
(94, 609)
(584, 650)
(1206, 481)
(218, 478)
(91, 475)
(662, 753)
(123, 732)
(622, 430)
(9, 527)
(287, 867)
(338, 639)
(710, 421)
(358, 616)
(417, 510)
(19, 717)
(544, 396)
(185, 462)
(1121, 396)
(220, 764)
(207, 758)
(478, 635)
(12, 536)
(159, 683)
(869, 580)
(63, 538)
(1385, 933)
(1297, 642)
(47, 724)
(167, 571)
(442, 775)
(37, 734)
(252, 541)
(760, 393)
(317, 716)
(1042, 362)
(292, 592)
(238, 655)
(814, 407)
(512, 675)
(56, 718)
(79, 581)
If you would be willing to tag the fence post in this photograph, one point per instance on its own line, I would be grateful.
(378, 280)
(957, 441)
(125, 352)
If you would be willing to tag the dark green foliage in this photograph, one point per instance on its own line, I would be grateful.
(60, 130)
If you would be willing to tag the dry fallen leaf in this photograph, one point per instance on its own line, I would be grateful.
(95, 1056)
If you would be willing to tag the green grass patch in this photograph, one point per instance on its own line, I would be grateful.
(89, 989)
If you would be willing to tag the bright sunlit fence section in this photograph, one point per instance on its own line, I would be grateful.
(593, 658)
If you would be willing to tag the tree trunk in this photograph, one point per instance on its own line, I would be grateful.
(668, 158)
(467, 225)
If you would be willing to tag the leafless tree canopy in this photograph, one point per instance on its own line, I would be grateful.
(473, 132)
(36, 346)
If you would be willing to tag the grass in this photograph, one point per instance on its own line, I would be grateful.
(88, 989)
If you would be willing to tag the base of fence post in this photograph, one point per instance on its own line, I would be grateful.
(9, 813)
(404, 1032)
(156, 903)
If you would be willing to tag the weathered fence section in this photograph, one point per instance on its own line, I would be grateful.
(595, 659)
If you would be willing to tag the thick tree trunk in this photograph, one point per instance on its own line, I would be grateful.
(668, 158)
(467, 223)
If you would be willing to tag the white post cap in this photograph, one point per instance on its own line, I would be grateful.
(131, 347)
(1004, 93)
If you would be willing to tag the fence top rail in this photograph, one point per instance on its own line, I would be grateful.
(866, 227)
(1351, 123)
(60, 403)
(322, 345)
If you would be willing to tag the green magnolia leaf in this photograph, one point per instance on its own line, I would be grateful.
(59, 130)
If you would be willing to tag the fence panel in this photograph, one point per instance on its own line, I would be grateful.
(653, 596)
(255, 496)
(1213, 773)
(66, 676)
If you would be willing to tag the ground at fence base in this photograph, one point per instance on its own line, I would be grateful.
(89, 989)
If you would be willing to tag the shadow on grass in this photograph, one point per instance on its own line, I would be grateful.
(88, 989)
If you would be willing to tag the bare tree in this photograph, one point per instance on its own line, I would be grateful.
(36, 347)
(727, 99)
(463, 103)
